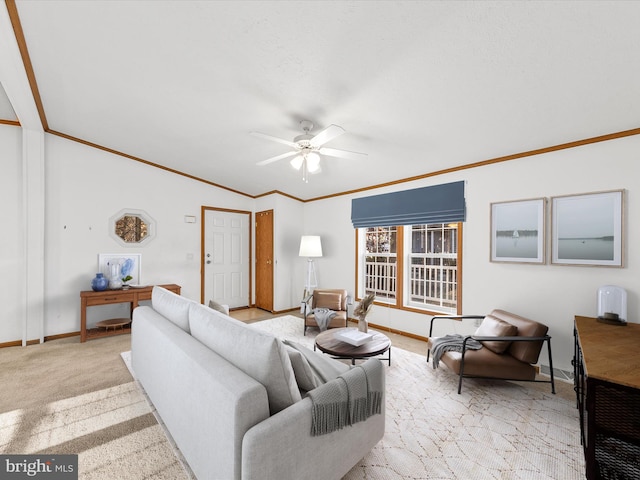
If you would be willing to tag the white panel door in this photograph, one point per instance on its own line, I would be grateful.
(226, 258)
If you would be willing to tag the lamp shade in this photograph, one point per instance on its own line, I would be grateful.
(310, 246)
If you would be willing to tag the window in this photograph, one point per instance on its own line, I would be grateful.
(414, 267)
(380, 263)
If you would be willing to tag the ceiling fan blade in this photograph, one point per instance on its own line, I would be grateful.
(274, 139)
(332, 152)
(326, 135)
(276, 158)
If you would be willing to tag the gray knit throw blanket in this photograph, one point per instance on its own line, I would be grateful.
(350, 398)
(323, 316)
(453, 342)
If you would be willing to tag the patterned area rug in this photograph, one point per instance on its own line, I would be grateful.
(492, 430)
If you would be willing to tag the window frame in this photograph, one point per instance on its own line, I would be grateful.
(403, 265)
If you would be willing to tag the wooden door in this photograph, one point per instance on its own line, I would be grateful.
(264, 260)
(226, 257)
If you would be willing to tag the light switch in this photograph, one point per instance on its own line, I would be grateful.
(189, 219)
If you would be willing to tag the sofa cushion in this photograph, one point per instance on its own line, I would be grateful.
(305, 378)
(259, 354)
(494, 327)
(332, 301)
(218, 307)
(323, 366)
(171, 306)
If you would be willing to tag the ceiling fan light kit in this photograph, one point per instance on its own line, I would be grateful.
(308, 148)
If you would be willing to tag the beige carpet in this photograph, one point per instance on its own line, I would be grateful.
(58, 369)
(494, 430)
(67, 397)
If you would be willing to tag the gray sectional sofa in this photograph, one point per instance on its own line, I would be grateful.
(231, 399)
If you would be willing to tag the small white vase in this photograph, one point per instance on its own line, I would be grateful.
(363, 325)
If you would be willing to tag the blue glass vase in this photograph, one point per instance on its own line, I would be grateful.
(99, 283)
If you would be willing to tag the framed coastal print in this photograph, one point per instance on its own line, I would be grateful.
(587, 229)
(517, 231)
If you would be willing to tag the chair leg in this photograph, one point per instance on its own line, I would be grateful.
(553, 385)
(461, 372)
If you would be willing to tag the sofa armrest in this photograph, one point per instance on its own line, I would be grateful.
(282, 446)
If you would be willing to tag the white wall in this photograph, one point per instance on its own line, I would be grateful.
(84, 188)
(552, 294)
(12, 290)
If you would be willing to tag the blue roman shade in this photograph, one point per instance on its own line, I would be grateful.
(435, 204)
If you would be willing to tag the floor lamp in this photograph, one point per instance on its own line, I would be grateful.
(310, 247)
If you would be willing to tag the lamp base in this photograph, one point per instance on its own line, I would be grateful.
(311, 277)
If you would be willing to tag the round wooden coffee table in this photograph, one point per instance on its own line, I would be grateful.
(327, 342)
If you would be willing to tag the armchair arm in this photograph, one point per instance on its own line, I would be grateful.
(510, 339)
(457, 318)
(544, 338)
(305, 310)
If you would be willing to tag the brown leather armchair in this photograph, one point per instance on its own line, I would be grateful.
(333, 299)
(511, 345)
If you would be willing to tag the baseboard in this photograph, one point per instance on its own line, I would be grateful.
(558, 374)
(391, 330)
(18, 343)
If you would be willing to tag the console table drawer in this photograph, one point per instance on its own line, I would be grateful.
(109, 299)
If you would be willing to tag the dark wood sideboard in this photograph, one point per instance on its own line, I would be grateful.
(607, 383)
(133, 296)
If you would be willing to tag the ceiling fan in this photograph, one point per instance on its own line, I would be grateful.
(307, 148)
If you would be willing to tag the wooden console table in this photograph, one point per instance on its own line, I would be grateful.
(607, 384)
(89, 298)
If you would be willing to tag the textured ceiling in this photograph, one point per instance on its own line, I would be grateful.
(418, 86)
